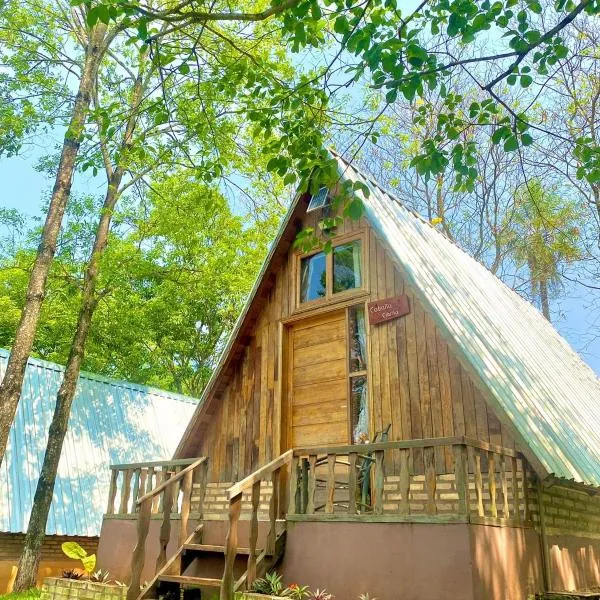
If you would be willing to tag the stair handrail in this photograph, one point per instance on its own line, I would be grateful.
(144, 506)
(234, 494)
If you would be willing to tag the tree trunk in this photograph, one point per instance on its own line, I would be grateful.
(10, 389)
(29, 562)
(543, 286)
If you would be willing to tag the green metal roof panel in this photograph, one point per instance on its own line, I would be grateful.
(546, 390)
(111, 422)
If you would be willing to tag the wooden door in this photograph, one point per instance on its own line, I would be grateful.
(318, 381)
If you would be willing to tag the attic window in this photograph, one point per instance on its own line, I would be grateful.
(318, 200)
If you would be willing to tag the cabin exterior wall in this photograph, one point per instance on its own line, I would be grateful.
(416, 382)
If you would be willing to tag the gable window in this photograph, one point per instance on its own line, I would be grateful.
(323, 276)
(313, 277)
(346, 267)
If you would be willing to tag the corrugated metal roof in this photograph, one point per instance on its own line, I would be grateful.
(111, 422)
(546, 390)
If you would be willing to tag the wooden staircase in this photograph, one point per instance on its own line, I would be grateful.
(196, 569)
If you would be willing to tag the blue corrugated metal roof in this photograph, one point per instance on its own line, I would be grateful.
(111, 422)
(549, 394)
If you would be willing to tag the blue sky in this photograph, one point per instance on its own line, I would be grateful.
(23, 188)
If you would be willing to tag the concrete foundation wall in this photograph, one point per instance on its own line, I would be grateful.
(53, 561)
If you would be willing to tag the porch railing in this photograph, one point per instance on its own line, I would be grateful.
(171, 496)
(129, 482)
(453, 479)
(438, 479)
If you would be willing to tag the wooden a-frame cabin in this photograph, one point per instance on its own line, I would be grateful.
(387, 418)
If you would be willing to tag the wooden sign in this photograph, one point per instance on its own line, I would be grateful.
(381, 311)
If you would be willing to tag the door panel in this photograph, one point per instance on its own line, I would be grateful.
(319, 381)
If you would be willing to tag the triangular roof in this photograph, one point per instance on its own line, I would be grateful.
(111, 422)
(537, 384)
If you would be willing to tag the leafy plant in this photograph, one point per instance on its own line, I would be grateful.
(271, 584)
(366, 597)
(72, 574)
(75, 551)
(321, 595)
(100, 576)
(297, 592)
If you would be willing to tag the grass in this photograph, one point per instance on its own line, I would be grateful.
(32, 594)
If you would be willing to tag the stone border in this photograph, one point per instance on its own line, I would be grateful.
(58, 588)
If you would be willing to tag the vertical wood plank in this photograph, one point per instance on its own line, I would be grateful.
(526, 515)
(231, 544)
(150, 480)
(515, 491)
(379, 482)
(330, 483)
(253, 533)
(460, 474)
(112, 492)
(352, 483)
(125, 490)
(294, 504)
(156, 503)
(430, 479)
(504, 487)
(404, 481)
(492, 483)
(139, 552)
(312, 480)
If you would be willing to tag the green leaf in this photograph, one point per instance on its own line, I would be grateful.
(511, 144)
(526, 80)
(184, 68)
(526, 139)
(73, 550)
(89, 563)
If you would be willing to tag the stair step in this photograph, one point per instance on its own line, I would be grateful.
(188, 580)
(214, 548)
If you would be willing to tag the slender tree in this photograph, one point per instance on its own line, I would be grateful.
(542, 233)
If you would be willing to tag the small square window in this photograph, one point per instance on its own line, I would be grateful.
(318, 200)
(347, 270)
(313, 277)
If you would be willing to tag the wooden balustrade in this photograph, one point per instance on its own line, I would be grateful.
(172, 496)
(274, 472)
(401, 480)
(129, 482)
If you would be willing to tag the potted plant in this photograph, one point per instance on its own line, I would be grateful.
(75, 581)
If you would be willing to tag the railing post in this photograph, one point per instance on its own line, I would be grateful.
(294, 491)
(123, 508)
(430, 479)
(201, 478)
(304, 485)
(112, 492)
(235, 507)
(379, 482)
(186, 503)
(478, 481)
(504, 487)
(165, 528)
(273, 512)
(139, 552)
(312, 479)
(492, 483)
(460, 476)
(330, 482)
(404, 481)
(253, 533)
(515, 491)
(352, 483)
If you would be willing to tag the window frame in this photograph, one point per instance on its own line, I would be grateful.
(331, 297)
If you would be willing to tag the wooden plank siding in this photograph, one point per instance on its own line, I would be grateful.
(416, 383)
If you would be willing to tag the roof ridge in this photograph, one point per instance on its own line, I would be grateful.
(121, 383)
